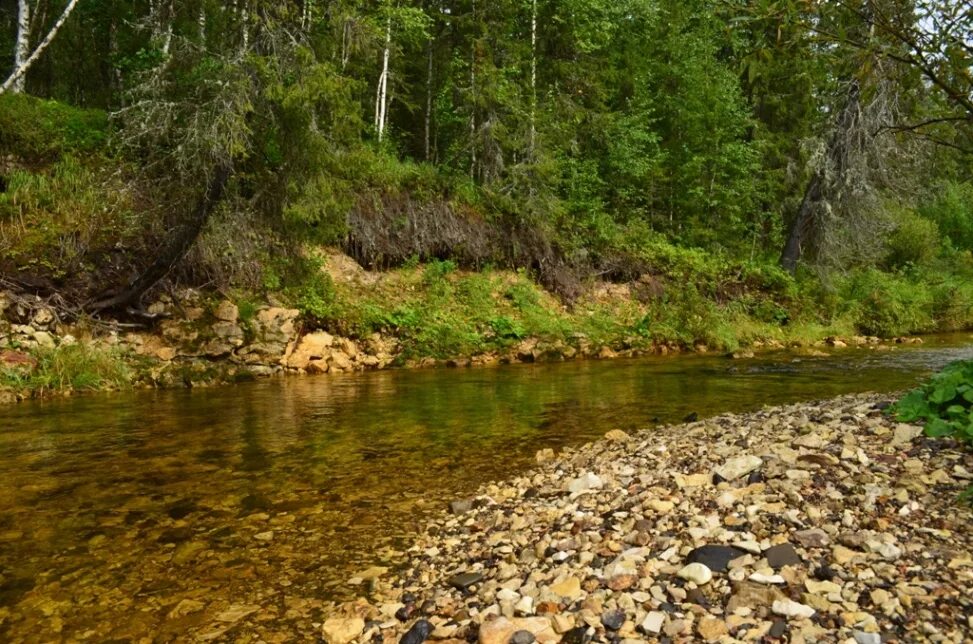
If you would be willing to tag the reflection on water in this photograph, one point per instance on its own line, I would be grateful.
(113, 509)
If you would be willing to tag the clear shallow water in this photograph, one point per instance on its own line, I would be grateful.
(113, 509)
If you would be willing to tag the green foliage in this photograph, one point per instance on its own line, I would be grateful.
(79, 367)
(952, 211)
(915, 241)
(37, 130)
(944, 404)
(888, 305)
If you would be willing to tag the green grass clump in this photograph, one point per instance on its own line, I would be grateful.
(77, 367)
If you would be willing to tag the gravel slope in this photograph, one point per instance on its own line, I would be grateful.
(823, 521)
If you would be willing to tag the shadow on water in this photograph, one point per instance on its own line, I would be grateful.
(159, 491)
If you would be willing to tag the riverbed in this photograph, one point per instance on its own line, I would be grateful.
(116, 510)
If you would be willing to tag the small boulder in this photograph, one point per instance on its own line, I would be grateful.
(342, 630)
(737, 467)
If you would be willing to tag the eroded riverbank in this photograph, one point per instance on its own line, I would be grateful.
(812, 522)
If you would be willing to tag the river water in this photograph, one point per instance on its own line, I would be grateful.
(116, 508)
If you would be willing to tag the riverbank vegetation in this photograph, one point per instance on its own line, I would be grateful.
(631, 173)
(945, 405)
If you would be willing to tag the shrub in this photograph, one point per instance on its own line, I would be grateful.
(915, 241)
(952, 210)
(37, 130)
(944, 404)
(887, 305)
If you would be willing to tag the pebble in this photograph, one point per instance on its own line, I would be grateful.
(653, 622)
(716, 558)
(782, 555)
(696, 573)
(737, 467)
(418, 633)
(790, 608)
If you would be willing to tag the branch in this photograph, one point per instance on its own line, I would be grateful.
(916, 126)
(20, 71)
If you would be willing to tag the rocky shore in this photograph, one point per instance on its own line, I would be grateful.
(196, 342)
(818, 522)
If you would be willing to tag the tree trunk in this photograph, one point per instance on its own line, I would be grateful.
(533, 79)
(22, 46)
(19, 72)
(835, 163)
(201, 25)
(174, 249)
(428, 124)
(381, 101)
(473, 158)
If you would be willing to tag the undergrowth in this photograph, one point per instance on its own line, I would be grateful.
(945, 405)
(77, 367)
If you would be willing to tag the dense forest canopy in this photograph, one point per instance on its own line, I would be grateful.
(574, 138)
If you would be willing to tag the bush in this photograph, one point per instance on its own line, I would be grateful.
(952, 210)
(944, 404)
(887, 305)
(37, 130)
(915, 242)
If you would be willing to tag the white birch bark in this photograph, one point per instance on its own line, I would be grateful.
(428, 99)
(533, 78)
(201, 25)
(167, 31)
(245, 24)
(307, 14)
(22, 46)
(19, 72)
(381, 106)
(473, 100)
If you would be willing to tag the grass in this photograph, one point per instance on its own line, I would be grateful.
(76, 367)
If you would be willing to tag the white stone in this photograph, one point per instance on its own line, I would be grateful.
(696, 573)
(588, 481)
(653, 622)
(740, 466)
(761, 578)
(789, 608)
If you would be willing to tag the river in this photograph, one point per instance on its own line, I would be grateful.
(116, 508)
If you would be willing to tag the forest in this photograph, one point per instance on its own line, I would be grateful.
(750, 165)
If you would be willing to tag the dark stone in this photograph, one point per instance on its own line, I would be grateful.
(824, 572)
(696, 596)
(717, 479)
(522, 637)
(882, 406)
(464, 580)
(418, 634)
(782, 555)
(176, 535)
(716, 558)
(667, 607)
(577, 635)
(778, 629)
(613, 619)
(461, 506)
(405, 613)
(181, 509)
(691, 417)
(755, 477)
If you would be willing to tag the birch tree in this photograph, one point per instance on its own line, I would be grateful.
(15, 82)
